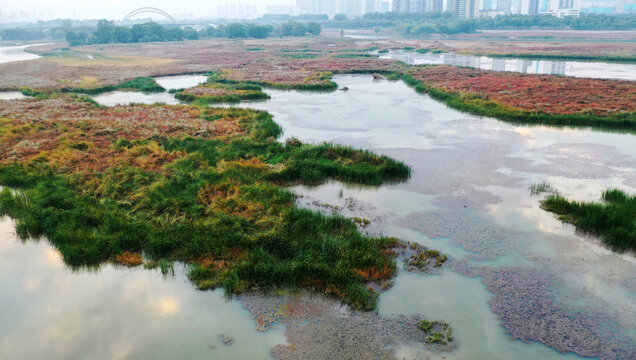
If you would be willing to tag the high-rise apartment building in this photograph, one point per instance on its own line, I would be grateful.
(463, 9)
(417, 6)
(505, 6)
(401, 5)
(435, 5)
(371, 6)
(531, 7)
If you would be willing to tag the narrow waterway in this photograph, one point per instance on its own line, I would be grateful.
(585, 69)
(16, 53)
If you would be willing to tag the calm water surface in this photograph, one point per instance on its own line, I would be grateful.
(11, 95)
(468, 197)
(16, 53)
(180, 81)
(471, 177)
(115, 98)
(600, 70)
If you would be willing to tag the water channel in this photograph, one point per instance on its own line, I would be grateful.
(16, 53)
(598, 70)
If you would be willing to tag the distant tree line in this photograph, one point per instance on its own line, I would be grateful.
(584, 22)
(287, 17)
(21, 34)
(405, 23)
(446, 23)
(107, 32)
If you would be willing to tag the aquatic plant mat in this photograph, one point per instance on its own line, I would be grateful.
(318, 328)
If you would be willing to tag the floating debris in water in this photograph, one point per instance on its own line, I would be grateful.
(485, 240)
(525, 301)
(227, 340)
(317, 326)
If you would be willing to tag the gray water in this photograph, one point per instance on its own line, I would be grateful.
(115, 98)
(16, 53)
(180, 81)
(468, 197)
(598, 70)
(11, 95)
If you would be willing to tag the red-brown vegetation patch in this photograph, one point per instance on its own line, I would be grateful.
(129, 259)
(78, 137)
(541, 93)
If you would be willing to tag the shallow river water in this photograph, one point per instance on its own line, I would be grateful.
(16, 53)
(515, 271)
(586, 69)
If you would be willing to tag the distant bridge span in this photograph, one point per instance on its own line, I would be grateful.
(148, 10)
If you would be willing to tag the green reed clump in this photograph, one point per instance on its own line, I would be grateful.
(319, 82)
(232, 93)
(145, 84)
(437, 332)
(614, 219)
(312, 164)
(540, 188)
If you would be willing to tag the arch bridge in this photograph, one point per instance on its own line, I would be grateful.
(145, 10)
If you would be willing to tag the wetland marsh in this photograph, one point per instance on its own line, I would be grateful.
(517, 283)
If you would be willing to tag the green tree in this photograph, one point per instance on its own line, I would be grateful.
(173, 34)
(340, 17)
(259, 31)
(75, 39)
(191, 34)
(314, 28)
(298, 29)
(121, 34)
(104, 32)
(286, 29)
(216, 32)
(234, 31)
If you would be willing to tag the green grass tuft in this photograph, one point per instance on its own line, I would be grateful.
(614, 220)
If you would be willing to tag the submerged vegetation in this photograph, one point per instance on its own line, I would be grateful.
(540, 188)
(614, 220)
(437, 332)
(192, 184)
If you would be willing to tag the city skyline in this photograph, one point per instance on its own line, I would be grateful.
(32, 10)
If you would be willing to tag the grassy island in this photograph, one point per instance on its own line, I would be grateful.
(614, 220)
(156, 184)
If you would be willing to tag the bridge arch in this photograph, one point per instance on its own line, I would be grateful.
(143, 10)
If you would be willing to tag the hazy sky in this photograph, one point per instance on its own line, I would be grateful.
(116, 9)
